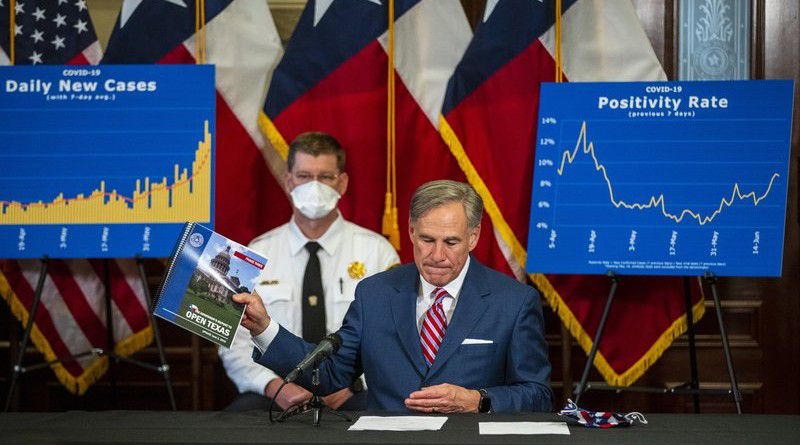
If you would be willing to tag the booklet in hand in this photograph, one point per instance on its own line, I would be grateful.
(204, 272)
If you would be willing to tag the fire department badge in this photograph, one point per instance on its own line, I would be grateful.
(357, 270)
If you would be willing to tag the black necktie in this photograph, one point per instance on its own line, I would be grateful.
(313, 298)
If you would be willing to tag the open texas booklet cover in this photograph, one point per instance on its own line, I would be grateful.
(205, 271)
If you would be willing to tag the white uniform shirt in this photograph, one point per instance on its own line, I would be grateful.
(345, 247)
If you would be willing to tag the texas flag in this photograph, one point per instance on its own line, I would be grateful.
(333, 78)
(489, 122)
(240, 39)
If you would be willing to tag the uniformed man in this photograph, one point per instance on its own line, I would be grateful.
(315, 262)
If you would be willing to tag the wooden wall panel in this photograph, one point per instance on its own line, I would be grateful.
(780, 325)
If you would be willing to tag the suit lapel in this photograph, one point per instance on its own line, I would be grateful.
(404, 312)
(470, 307)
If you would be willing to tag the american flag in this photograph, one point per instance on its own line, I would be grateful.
(600, 419)
(71, 318)
(52, 32)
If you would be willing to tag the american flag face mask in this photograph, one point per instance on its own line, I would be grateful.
(599, 419)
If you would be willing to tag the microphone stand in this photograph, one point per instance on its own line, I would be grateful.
(315, 404)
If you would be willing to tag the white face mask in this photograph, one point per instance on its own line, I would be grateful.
(315, 199)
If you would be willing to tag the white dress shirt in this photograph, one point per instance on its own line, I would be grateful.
(425, 298)
(345, 248)
(424, 301)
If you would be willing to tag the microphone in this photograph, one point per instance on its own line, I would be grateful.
(327, 347)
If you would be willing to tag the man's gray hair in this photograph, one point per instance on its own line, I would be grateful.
(435, 194)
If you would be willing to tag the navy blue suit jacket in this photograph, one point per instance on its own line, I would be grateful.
(380, 338)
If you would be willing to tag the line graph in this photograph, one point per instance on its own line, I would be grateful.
(678, 191)
(582, 146)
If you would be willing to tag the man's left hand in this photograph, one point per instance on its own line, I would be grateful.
(444, 398)
(338, 398)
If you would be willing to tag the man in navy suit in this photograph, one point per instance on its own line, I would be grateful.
(444, 334)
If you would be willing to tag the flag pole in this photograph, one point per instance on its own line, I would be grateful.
(12, 27)
(390, 227)
(200, 31)
(559, 61)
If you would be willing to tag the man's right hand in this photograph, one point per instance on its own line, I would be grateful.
(256, 319)
(290, 395)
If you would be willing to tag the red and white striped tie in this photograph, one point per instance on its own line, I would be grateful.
(433, 326)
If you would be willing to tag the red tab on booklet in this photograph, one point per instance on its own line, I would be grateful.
(248, 260)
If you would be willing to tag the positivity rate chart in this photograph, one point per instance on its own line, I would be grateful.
(104, 161)
(661, 178)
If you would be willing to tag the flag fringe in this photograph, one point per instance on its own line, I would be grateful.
(275, 137)
(552, 297)
(80, 384)
(451, 139)
(575, 328)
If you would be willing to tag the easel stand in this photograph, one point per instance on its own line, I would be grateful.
(581, 388)
(315, 405)
(690, 388)
(737, 395)
(163, 368)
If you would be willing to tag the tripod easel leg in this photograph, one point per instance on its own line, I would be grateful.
(581, 388)
(18, 368)
(737, 396)
(110, 342)
(695, 382)
(112, 356)
(164, 368)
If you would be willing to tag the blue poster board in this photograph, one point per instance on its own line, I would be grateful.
(661, 178)
(104, 161)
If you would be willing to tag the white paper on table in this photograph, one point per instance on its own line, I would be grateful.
(398, 423)
(523, 428)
